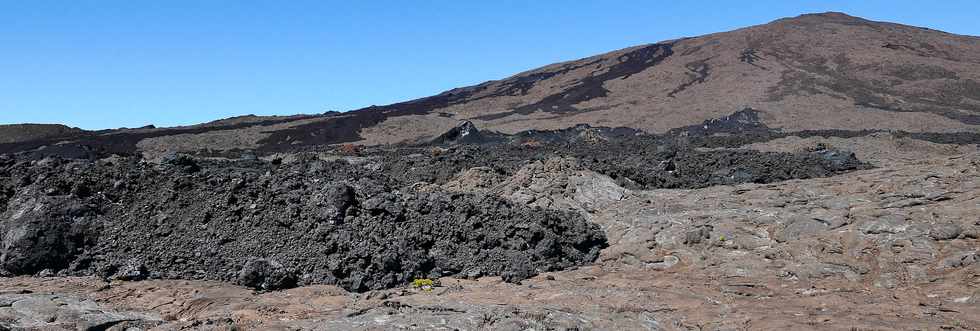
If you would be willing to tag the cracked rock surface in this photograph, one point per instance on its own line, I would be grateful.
(23, 310)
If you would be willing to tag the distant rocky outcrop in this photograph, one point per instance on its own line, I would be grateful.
(17, 133)
(463, 133)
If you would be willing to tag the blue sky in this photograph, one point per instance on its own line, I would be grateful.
(108, 64)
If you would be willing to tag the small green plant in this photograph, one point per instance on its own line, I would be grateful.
(424, 284)
(721, 238)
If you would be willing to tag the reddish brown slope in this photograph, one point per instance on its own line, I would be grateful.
(821, 71)
(812, 72)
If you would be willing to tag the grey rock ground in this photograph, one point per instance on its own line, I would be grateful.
(555, 183)
(888, 248)
(28, 311)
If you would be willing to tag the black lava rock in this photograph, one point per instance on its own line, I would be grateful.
(132, 271)
(266, 275)
(342, 222)
(184, 162)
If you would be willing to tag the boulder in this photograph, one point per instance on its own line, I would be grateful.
(266, 275)
(40, 232)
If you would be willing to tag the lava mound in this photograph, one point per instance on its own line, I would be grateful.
(269, 225)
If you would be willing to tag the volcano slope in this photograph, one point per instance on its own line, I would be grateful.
(775, 177)
(840, 75)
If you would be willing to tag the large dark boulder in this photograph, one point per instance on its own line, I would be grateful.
(266, 275)
(181, 162)
(41, 232)
(333, 202)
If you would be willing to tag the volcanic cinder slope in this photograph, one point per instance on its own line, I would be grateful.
(825, 71)
(820, 171)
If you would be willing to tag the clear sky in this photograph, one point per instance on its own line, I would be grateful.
(108, 64)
